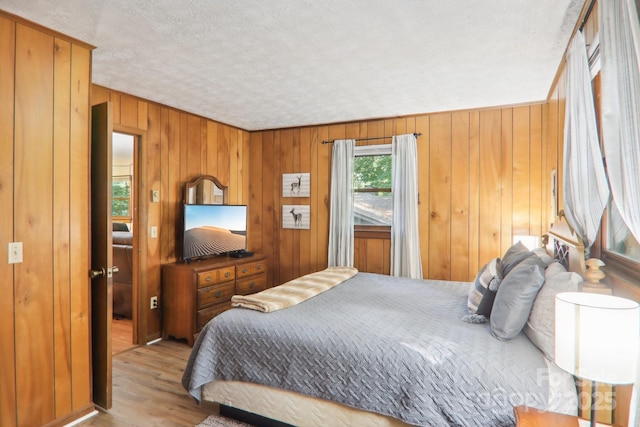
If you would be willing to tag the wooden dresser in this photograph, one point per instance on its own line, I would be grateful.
(194, 293)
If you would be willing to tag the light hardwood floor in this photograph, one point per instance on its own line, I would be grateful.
(121, 335)
(147, 389)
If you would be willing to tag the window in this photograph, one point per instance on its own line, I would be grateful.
(122, 177)
(620, 240)
(372, 188)
(618, 247)
(121, 197)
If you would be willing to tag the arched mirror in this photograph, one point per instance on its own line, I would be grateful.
(205, 190)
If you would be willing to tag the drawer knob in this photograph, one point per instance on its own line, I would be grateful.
(259, 267)
(252, 285)
(227, 274)
(208, 279)
(218, 294)
(244, 270)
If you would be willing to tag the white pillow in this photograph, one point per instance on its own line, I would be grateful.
(540, 327)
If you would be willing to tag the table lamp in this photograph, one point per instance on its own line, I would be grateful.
(597, 338)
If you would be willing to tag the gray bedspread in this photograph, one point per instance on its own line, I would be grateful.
(388, 345)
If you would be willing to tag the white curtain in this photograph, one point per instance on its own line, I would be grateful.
(620, 68)
(341, 212)
(405, 234)
(586, 192)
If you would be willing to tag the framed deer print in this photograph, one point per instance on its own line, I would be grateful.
(296, 185)
(296, 216)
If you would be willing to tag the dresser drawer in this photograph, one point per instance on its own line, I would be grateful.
(216, 276)
(251, 268)
(215, 294)
(209, 313)
(251, 285)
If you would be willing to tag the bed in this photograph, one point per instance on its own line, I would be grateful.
(385, 351)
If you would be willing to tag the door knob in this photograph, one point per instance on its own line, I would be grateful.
(96, 273)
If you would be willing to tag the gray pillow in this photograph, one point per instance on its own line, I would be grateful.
(515, 297)
(540, 327)
(514, 255)
(544, 256)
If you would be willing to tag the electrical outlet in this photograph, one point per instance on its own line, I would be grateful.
(153, 303)
(15, 252)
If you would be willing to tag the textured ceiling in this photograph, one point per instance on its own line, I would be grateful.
(259, 64)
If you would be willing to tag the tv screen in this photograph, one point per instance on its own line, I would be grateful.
(211, 230)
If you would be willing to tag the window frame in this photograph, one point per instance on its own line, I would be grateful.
(613, 260)
(372, 231)
(129, 199)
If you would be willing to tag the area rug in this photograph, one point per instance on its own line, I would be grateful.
(220, 421)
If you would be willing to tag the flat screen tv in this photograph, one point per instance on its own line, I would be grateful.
(212, 230)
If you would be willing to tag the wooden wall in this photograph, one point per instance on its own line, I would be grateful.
(484, 177)
(45, 374)
(172, 148)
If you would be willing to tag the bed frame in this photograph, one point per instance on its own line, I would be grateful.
(262, 405)
(565, 246)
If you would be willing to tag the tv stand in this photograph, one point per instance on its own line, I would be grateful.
(194, 293)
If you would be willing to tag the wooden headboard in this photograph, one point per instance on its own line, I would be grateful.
(564, 245)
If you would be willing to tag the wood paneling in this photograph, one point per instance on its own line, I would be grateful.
(151, 181)
(536, 182)
(61, 228)
(460, 198)
(79, 221)
(474, 193)
(490, 185)
(474, 185)
(422, 126)
(44, 194)
(506, 174)
(476, 190)
(173, 147)
(33, 226)
(521, 171)
(439, 171)
(8, 398)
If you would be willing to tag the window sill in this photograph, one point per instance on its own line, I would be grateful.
(372, 232)
(626, 267)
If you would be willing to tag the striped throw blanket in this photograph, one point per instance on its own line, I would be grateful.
(294, 291)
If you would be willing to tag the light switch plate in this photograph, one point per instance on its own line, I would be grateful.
(154, 232)
(15, 252)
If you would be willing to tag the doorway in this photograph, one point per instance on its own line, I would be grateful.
(124, 319)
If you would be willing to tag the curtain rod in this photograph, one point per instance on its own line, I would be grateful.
(587, 14)
(416, 134)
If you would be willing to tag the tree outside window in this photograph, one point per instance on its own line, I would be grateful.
(372, 186)
(121, 198)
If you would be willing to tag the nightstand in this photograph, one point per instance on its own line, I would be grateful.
(531, 417)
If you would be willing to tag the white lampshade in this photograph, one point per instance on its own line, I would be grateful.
(597, 336)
